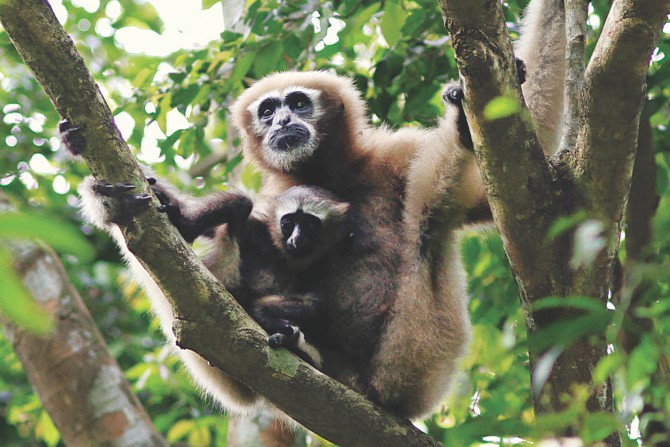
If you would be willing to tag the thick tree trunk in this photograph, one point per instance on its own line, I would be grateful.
(636, 290)
(209, 321)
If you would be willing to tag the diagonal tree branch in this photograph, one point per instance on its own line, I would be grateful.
(209, 321)
(78, 381)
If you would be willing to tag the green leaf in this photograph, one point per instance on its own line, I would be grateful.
(572, 302)
(206, 4)
(47, 228)
(267, 58)
(470, 252)
(598, 426)
(501, 107)
(563, 224)
(140, 15)
(251, 178)
(180, 430)
(241, 68)
(163, 109)
(16, 302)
(607, 366)
(392, 21)
(47, 430)
(143, 78)
(642, 362)
(567, 331)
(200, 437)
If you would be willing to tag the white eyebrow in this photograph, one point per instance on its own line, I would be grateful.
(311, 92)
(253, 107)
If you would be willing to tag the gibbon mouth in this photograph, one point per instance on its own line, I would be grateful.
(290, 137)
(299, 252)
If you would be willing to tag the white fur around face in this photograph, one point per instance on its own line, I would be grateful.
(318, 208)
(286, 160)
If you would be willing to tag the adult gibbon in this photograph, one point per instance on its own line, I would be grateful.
(397, 306)
(396, 322)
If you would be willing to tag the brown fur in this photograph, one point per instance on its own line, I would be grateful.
(398, 322)
(397, 316)
(396, 301)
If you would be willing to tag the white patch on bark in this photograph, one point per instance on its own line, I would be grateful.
(43, 280)
(108, 396)
(76, 341)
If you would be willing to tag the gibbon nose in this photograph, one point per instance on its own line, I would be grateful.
(291, 243)
(283, 118)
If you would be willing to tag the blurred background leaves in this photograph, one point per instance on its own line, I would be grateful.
(171, 106)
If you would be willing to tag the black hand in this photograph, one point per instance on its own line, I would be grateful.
(453, 94)
(72, 137)
(120, 204)
(521, 70)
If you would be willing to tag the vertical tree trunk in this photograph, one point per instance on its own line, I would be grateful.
(641, 209)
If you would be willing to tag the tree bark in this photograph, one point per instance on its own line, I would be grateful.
(261, 431)
(636, 289)
(77, 379)
(575, 24)
(209, 320)
(528, 192)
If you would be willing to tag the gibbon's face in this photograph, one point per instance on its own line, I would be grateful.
(307, 222)
(300, 233)
(286, 120)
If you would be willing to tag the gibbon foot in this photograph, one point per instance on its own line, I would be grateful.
(72, 137)
(121, 206)
(288, 338)
(292, 338)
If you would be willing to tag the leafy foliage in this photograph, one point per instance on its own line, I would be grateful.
(172, 109)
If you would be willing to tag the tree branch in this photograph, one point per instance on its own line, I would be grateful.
(527, 194)
(516, 174)
(575, 23)
(613, 96)
(209, 321)
(77, 379)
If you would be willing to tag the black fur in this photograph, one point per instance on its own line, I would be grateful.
(454, 95)
(72, 137)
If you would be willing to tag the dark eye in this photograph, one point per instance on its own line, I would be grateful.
(267, 108)
(299, 102)
(286, 224)
(312, 225)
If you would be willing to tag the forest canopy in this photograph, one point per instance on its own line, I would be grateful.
(172, 109)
